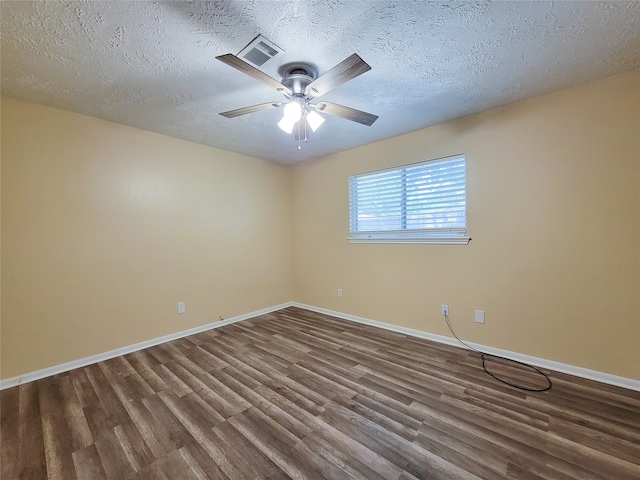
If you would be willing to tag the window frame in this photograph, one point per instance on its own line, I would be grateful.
(445, 236)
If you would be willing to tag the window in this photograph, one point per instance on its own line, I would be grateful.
(420, 203)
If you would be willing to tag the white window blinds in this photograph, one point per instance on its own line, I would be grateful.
(420, 203)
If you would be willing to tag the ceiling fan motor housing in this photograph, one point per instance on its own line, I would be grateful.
(297, 77)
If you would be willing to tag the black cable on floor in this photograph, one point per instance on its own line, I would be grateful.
(484, 355)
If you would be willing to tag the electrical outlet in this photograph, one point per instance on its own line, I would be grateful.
(479, 317)
(181, 307)
(340, 292)
(444, 310)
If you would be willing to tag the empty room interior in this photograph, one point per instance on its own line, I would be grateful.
(320, 240)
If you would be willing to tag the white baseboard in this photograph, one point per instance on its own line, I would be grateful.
(83, 362)
(538, 362)
(607, 378)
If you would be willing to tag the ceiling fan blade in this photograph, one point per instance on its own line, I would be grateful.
(347, 113)
(253, 108)
(252, 71)
(346, 70)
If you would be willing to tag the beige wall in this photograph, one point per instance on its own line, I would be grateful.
(554, 213)
(105, 228)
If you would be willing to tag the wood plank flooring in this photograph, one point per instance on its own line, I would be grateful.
(297, 394)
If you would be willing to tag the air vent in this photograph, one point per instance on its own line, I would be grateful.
(259, 51)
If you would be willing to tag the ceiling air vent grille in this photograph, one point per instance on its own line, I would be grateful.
(259, 51)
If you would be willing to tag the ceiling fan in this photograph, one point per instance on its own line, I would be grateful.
(301, 85)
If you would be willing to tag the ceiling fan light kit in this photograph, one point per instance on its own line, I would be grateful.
(300, 84)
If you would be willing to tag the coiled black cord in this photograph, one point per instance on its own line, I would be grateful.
(483, 355)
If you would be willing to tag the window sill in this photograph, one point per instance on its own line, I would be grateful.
(430, 241)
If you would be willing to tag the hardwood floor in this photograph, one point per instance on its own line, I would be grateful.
(297, 394)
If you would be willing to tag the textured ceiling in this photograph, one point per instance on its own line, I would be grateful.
(152, 65)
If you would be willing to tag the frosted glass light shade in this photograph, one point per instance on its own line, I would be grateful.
(314, 120)
(293, 111)
(286, 124)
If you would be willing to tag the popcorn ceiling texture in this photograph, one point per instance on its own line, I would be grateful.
(151, 65)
